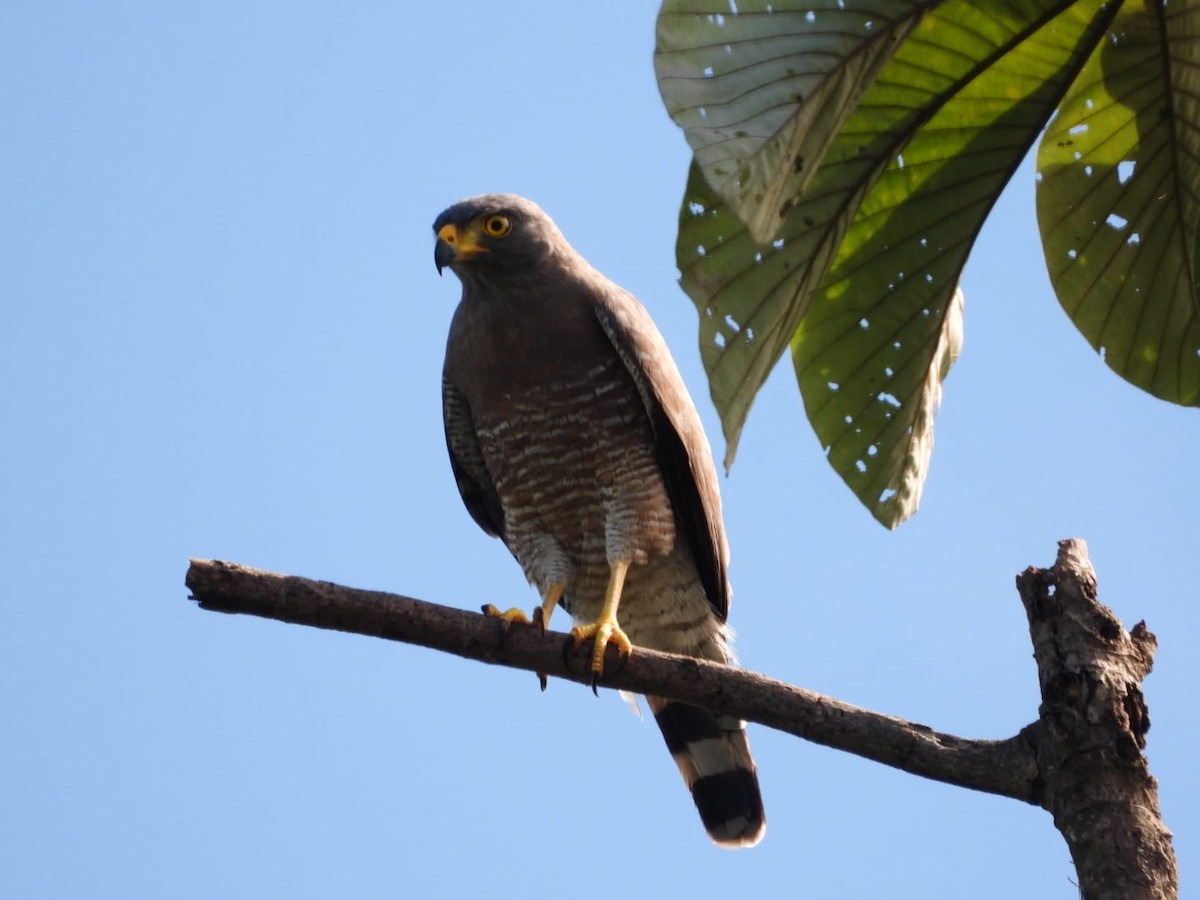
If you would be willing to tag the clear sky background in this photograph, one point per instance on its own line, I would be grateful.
(221, 335)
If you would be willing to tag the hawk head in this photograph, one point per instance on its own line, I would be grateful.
(487, 236)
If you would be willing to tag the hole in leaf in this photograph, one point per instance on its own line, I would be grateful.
(719, 340)
(886, 494)
(832, 385)
(863, 323)
(1115, 221)
(1134, 239)
(860, 465)
(1125, 170)
(1072, 253)
(1078, 129)
(890, 399)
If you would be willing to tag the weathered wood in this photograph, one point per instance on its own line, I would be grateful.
(1093, 723)
(1000, 767)
(1081, 759)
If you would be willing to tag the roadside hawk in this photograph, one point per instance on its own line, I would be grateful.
(573, 439)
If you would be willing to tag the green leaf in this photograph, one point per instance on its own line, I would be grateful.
(761, 93)
(861, 277)
(1119, 170)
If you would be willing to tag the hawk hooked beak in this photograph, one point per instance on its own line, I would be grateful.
(454, 246)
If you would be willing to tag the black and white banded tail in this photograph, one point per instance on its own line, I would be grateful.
(713, 757)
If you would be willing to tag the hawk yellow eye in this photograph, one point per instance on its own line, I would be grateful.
(496, 226)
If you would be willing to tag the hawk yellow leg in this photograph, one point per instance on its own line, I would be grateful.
(605, 629)
(553, 595)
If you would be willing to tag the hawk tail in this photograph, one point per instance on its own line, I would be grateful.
(713, 757)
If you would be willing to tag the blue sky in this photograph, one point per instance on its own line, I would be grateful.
(221, 336)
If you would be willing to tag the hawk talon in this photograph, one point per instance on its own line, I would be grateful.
(515, 614)
(622, 660)
(605, 631)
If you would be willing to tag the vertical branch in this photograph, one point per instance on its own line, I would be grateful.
(1091, 733)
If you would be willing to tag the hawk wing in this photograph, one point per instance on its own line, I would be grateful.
(466, 459)
(680, 445)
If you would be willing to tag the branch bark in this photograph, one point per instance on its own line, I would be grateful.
(1093, 722)
(1081, 759)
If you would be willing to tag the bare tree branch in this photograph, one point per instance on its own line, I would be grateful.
(1093, 722)
(999, 767)
(1081, 759)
